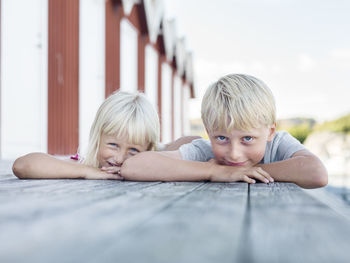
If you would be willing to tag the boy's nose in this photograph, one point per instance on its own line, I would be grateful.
(235, 154)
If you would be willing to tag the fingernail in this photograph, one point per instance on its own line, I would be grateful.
(266, 181)
(271, 180)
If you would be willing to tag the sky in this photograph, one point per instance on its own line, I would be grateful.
(299, 48)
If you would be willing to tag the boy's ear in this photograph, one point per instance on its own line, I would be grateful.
(206, 131)
(272, 131)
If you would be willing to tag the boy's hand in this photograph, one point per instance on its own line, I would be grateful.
(225, 173)
(104, 173)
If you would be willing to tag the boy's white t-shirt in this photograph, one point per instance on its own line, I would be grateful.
(282, 147)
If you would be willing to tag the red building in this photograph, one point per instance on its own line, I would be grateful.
(61, 58)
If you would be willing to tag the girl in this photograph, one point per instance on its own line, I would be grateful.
(125, 125)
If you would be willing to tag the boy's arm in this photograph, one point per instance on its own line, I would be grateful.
(303, 168)
(45, 166)
(169, 166)
(164, 166)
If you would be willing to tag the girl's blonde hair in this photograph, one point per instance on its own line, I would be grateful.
(238, 101)
(124, 114)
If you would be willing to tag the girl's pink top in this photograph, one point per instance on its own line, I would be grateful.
(75, 157)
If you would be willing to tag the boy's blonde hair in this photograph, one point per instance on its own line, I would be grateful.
(238, 101)
(124, 114)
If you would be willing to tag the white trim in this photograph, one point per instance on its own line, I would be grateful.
(189, 67)
(169, 33)
(180, 54)
(166, 115)
(128, 56)
(177, 107)
(91, 65)
(151, 75)
(186, 110)
(154, 10)
(128, 5)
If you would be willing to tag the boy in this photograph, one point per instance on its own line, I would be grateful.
(238, 112)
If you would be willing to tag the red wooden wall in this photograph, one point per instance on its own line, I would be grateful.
(63, 76)
(114, 14)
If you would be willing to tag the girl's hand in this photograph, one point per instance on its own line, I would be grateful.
(225, 173)
(104, 174)
(114, 170)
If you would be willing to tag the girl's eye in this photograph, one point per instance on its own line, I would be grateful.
(247, 138)
(134, 150)
(221, 138)
(113, 144)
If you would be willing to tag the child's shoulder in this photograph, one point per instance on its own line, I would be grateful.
(197, 150)
(282, 135)
(282, 147)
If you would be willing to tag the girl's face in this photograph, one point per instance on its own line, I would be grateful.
(115, 150)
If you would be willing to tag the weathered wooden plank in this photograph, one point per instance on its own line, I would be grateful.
(54, 197)
(5, 169)
(48, 195)
(204, 226)
(61, 234)
(94, 221)
(285, 224)
(332, 200)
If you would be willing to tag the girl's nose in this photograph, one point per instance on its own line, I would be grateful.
(119, 158)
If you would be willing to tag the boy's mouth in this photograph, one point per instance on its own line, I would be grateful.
(235, 164)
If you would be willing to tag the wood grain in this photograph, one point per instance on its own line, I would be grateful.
(113, 221)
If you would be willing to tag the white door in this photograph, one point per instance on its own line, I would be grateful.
(24, 55)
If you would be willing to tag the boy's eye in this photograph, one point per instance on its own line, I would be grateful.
(247, 138)
(221, 138)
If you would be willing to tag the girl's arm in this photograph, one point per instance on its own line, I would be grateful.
(168, 166)
(303, 168)
(173, 146)
(45, 166)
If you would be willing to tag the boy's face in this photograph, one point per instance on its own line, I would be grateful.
(241, 148)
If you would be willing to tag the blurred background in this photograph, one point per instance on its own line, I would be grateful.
(61, 58)
(300, 49)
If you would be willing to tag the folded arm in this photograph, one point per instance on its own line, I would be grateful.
(45, 166)
(303, 168)
(173, 146)
(168, 166)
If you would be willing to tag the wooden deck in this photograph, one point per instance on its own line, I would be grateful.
(111, 221)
